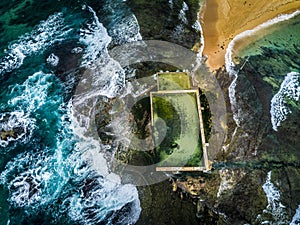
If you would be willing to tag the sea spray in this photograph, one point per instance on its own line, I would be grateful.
(103, 77)
(289, 89)
(230, 65)
(275, 208)
(43, 35)
(179, 29)
(296, 217)
(53, 175)
(197, 26)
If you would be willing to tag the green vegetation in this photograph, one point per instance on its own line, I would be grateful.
(206, 115)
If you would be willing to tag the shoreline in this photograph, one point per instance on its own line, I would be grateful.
(241, 41)
(221, 23)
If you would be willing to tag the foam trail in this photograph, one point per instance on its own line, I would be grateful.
(126, 30)
(95, 38)
(43, 35)
(229, 63)
(296, 217)
(17, 125)
(25, 99)
(103, 77)
(275, 208)
(290, 88)
(179, 29)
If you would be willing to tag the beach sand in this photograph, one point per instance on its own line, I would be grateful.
(222, 20)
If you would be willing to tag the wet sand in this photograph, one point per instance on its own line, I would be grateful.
(222, 20)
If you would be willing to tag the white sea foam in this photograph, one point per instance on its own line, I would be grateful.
(33, 171)
(182, 13)
(17, 122)
(179, 29)
(38, 178)
(105, 198)
(95, 38)
(126, 30)
(275, 208)
(104, 78)
(25, 186)
(52, 59)
(26, 98)
(43, 35)
(289, 89)
(104, 75)
(32, 94)
(296, 217)
(107, 195)
(171, 4)
(230, 65)
(197, 26)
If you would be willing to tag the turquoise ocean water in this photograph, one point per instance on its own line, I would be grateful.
(44, 178)
(44, 48)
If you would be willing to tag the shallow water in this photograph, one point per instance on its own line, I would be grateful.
(264, 64)
(271, 51)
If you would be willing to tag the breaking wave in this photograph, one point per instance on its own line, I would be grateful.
(289, 90)
(43, 35)
(61, 172)
(179, 29)
(275, 208)
(296, 217)
(230, 65)
(15, 126)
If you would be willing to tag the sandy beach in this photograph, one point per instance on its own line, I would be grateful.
(222, 20)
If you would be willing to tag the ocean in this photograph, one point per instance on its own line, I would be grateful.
(45, 176)
(269, 51)
(264, 66)
(52, 169)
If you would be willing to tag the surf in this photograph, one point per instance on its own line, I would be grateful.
(231, 66)
(54, 164)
